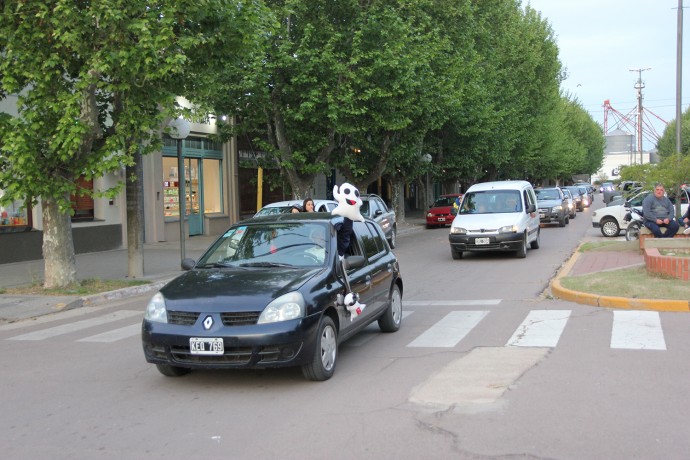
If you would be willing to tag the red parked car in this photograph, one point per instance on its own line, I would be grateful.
(442, 212)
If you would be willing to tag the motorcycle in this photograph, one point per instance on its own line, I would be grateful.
(635, 218)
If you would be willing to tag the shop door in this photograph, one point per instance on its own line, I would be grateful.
(194, 216)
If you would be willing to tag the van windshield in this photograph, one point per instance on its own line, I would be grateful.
(491, 202)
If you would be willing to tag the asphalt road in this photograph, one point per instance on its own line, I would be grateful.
(485, 366)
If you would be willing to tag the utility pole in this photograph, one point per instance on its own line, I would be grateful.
(679, 74)
(639, 86)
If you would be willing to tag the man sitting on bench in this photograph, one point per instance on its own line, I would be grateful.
(658, 212)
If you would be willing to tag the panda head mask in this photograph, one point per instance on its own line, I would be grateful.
(349, 202)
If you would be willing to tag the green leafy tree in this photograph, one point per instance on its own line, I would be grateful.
(96, 82)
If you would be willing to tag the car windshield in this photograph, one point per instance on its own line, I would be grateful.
(444, 201)
(491, 202)
(547, 194)
(270, 210)
(293, 244)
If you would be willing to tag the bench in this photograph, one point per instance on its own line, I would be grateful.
(646, 233)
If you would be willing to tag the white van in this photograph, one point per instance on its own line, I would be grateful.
(496, 216)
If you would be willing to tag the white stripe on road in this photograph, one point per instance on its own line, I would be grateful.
(450, 330)
(637, 330)
(449, 303)
(541, 328)
(115, 334)
(79, 325)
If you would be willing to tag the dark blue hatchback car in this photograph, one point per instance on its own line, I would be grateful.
(269, 293)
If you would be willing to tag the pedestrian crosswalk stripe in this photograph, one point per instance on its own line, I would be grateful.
(79, 325)
(450, 330)
(541, 328)
(637, 330)
(114, 335)
(449, 303)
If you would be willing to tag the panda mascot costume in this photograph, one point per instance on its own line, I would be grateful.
(349, 203)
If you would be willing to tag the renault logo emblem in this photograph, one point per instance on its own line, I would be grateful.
(208, 322)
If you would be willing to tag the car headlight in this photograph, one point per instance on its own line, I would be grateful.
(429, 215)
(458, 231)
(558, 208)
(284, 308)
(508, 229)
(155, 310)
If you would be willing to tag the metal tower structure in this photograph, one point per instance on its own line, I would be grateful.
(637, 120)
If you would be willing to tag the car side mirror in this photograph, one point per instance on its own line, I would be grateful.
(378, 213)
(188, 264)
(353, 262)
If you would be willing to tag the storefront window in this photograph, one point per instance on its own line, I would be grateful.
(212, 186)
(14, 217)
(203, 182)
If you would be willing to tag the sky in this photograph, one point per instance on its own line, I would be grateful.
(599, 42)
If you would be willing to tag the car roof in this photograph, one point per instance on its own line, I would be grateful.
(304, 217)
(500, 185)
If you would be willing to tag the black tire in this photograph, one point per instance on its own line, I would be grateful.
(536, 243)
(322, 365)
(573, 215)
(172, 371)
(609, 227)
(522, 252)
(561, 222)
(392, 240)
(632, 233)
(457, 255)
(429, 226)
(391, 319)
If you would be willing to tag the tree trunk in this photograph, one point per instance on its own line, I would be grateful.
(398, 204)
(135, 218)
(60, 267)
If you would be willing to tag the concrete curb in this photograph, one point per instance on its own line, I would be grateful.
(610, 301)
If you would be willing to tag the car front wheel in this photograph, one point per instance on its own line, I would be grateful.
(392, 318)
(609, 227)
(172, 371)
(522, 252)
(322, 365)
(391, 240)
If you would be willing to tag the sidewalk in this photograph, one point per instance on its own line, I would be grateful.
(598, 261)
(161, 264)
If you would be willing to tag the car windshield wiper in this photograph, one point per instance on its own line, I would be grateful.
(217, 265)
(266, 264)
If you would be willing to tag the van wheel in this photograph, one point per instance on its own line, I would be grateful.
(522, 252)
(535, 244)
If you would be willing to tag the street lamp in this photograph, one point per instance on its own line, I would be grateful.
(179, 130)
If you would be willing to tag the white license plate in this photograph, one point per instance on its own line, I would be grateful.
(206, 346)
(441, 219)
(481, 241)
(541, 216)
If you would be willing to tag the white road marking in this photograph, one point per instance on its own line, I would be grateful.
(637, 330)
(449, 303)
(541, 328)
(79, 325)
(115, 335)
(450, 330)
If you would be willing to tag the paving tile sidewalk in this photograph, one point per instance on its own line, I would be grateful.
(597, 261)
